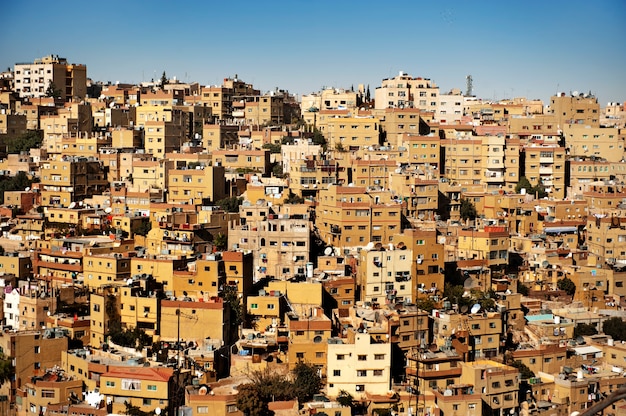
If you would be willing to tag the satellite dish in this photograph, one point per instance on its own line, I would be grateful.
(328, 250)
(93, 398)
(545, 264)
(447, 392)
(369, 246)
(27, 189)
(108, 210)
(468, 283)
(464, 309)
(157, 411)
(129, 282)
(72, 205)
(475, 308)
(203, 390)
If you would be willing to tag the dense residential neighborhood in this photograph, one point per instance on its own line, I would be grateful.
(171, 248)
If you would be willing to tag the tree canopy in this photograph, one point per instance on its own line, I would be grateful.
(267, 386)
(567, 285)
(23, 143)
(293, 199)
(615, 327)
(230, 204)
(468, 210)
(18, 182)
(524, 183)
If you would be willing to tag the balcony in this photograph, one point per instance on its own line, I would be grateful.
(335, 229)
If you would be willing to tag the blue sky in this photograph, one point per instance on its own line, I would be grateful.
(525, 48)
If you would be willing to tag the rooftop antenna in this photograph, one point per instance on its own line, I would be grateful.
(469, 86)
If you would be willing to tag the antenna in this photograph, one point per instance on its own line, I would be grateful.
(469, 86)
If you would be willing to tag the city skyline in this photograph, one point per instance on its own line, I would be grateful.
(531, 50)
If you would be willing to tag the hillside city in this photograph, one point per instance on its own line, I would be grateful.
(171, 248)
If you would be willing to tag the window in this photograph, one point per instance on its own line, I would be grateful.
(360, 387)
(152, 387)
(362, 357)
(341, 357)
(361, 373)
(110, 383)
(202, 409)
(378, 373)
(337, 373)
(130, 384)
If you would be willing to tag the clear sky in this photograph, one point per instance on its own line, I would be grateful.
(524, 48)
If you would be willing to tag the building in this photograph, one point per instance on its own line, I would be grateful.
(52, 387)
(32, 353)
(70, 180)
(406, 91)
(361, 367)
(575, 109)
(144, 387)
(497, 383)
(69, 81)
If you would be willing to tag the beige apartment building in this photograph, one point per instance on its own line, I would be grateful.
(194, 185)
(423, 152)
(352, 216)
(220, 99)
(463, 162)
(33, 79)
(163, 137)
(493, 158)
(279, 238)
(351, 132)
(427, 270)
(575, 109)
(594, 142)
(420, 196)
(243, 160)
(308, 339)
(70, 180)
(400, 122)
(497, 383)
(546, 164)
(406, 91)
(490, 244)
(360, 367)
(384, 276)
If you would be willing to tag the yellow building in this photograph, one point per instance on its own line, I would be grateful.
(385, 276)
(266, 309)
(33, 79)
(490, 244)
(15, 263)
(163, 137)
(53, 387)
(144, 387)
(473, 335)
(351, 133)
(360, 368)
(196, 185)
(352, 216)
(463, 162)
(404, 90)
(497, 383)
(195, 320)
(575, 109)
(308, 339)
(427, 269)
(242, 160)
(71, 180)
(597, 142)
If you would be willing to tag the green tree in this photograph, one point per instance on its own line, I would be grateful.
(19, 182)
(277, 170)
(164, 81)
(293, 199)
(567, 285)
(523, 183)
(307, 381)
(468, 210)
(53, 91)
(231, 297)
(582, 329)
(524, 370)
(540, 189)
(141, 227)
(615, 327)
(522, 289)
(221, 242)
(6, 369)
(425, 304)
(272, 147)
(345, 399)
(230, 204)
(32, 139)
(319, 139)
(250, 402)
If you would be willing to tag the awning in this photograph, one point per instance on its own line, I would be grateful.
(560, 230)
(586, 350)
